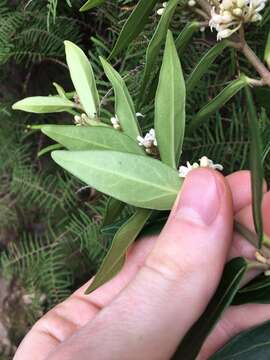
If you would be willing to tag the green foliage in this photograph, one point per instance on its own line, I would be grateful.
(52, 239)
(251, 344)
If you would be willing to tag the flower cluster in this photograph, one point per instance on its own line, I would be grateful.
(161, 10)
(204, 162)
(81, 120)
(149, 141)
(227, 16)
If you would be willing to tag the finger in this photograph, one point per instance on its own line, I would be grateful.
(189, 254)
(66, 318)
(235, 320)
(240, 185)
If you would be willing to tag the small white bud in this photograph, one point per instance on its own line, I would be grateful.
(256, 17)
(77, 119)
(237, 12)
(191, 3)
(240, 3)
(227, 17)
(227, 4)
(160, 11)
(204, 161)
(138, 114)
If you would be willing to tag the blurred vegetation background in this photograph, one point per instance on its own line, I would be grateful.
(51, 234)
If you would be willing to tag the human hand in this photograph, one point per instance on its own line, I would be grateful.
(165, 285)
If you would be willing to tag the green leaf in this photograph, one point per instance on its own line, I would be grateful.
(113, 211)
(49, 149)
(257, 291)
(124, 237)
(91, 138)
(204, 64)
(134, 25)
(90, 4)
(44, 104)
(229, 284)
(156, 44)
(124, 107)
(220, 100)
(185, 35)
(83, 79)
(267, 51)
(137, 180)
(256, 166)
(170, 106)
(253, 344)
(61, 92)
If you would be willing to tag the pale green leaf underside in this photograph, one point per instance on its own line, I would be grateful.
(124, 107)
(170, 106)
(124, 237)
(83, 79)
(43, 104)
(91, 138)
(137, 180)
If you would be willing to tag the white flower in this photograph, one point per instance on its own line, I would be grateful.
(203, 163)
(115, 122)
(227, 16)
(149, 140)
(138, 114)
(161, 10)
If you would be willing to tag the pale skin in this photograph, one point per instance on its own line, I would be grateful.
(167, 281)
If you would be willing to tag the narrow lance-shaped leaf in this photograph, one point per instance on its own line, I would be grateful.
(91, 138)
(49, 149)
(44, 104)
(181, 43)
(185, 35)
(124, 107)
(220, 100)
(124, 237)
(83, 79)
(230, 282)
(170, 106)
(156, 44)
(137, 180)
(267, 51)
(257, 291)
(61, 92)
(113, 211)
(134, 25)
(256, 166)
(204, 64)
(90, 4)
(252, 344)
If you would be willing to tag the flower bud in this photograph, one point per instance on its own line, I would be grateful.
(191, 3)
(237, 12)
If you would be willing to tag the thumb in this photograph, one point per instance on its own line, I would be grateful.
(186, 264)
(170, 291)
